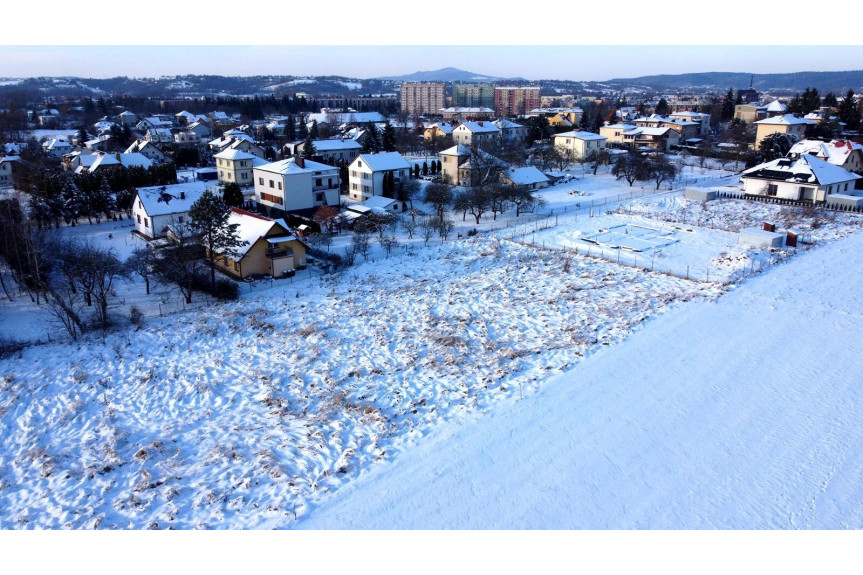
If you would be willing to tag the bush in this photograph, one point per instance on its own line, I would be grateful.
(136, 316)
(226, 290)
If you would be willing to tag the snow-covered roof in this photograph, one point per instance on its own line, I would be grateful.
(384, 161)
(586, 136)
(444, 127)
(479, 127)
(141, 145)
(175, 199)
(785, 120)
(251, 228)
(806, 169)
(462, 150)
(466, 110)
(156, 121)
(525, 176)
(457, 150)
(289, 166)
(776, 106)
(379, 202)
(835, 152)
(647, 131)
(333, 145)
(505, 124)
(55, 144)
(226, 140)
(234, 154)
(346, 117)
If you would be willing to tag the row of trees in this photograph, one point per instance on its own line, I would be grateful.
(636, 166)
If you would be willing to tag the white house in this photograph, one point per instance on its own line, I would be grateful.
(784, 124)
(151, 123)
(57, 147)
(159, 135)
(529, 177)
(805, 179)
(155, 208)
(146, 149)
(481, 134)
(295, 185)
(366, 174)
(843, 153)
(580, 144)
(330, 151)
(97, 161)
(510, 132)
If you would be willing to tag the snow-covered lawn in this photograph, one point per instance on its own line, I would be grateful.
(246, 414)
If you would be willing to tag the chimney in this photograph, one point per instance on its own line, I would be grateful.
(182, 195)
(299, 161)
(480, 123)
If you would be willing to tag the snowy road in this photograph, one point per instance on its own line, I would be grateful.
(742, 413)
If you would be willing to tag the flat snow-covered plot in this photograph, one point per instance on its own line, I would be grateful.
(704, 253)
(741, 413)
(247, 413)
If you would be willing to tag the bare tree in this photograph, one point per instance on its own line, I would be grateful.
(388, 242)
(444, 227)
(181, 263)
(361, 243)
(141, 263)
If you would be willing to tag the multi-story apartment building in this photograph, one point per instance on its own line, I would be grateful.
(473, 95)
(515, 100)
(422, 97)
(367, 174)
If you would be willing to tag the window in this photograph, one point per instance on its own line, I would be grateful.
(771, 189)
(354, 186)
(261, 181)
(272, 184)
(318, 182)
(146, 223)
(139, 218)
(359, 163)
(245, 176)
(280, 185)
(180, 219)
(319, 197)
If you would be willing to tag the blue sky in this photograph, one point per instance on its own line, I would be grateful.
(531, 62)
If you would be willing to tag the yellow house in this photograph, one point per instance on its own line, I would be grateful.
(559, 120)
(784, 124)
(271, 248)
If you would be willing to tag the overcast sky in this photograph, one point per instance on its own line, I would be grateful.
(531, 62)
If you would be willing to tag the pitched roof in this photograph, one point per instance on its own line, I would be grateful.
(580, 135)
(289, 166)
(836, 152)
(806, 169)
(251, 228)
(479, 127)
(385, 161)
(525, 176)
(340, 144)
(785, 120)
(159, 202)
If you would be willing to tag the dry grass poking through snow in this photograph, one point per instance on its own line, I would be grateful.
(247, 413)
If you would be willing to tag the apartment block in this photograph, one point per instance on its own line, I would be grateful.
(422, 98)
(473, 95)
(515, 100)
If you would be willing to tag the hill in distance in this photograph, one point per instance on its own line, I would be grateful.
(447, 75)
(837, 82)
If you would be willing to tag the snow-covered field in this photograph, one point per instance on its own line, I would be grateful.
(737, 413)
(250, 414)
(245, 415)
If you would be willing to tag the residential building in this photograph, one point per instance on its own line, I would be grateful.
(515, 100)
(9, 165)
(580, 144)
(481, 134)
(703, 120)
(806, 178)
(784, 124)
(153, 122)
(127, 119)
(529, 177)
(159, 135)
(270, 248)
(101, 161)
(295, 185)
(510, 132)
(98, 144)
(187, 138)
(156, 208)
(366, 174)
(660, 139)
(685, 129)
(572, 115)
(330, 152)
(422, 97)
(473, 95)
(439, 130)
(475, 113)
(237, 166)
(750, 113)
(148, 150)
(240, 142)
(843, 153)
(57, 147)
(468, 165)
(614, 133)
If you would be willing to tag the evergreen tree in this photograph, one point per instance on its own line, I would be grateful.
(425, 168)
(209, 218)
(848, 112)
(810, 100)
(314, 133)
(388, 138)
(303, 130)
(662, 107)
(233, 194)
(728, 106)
(290, 128)
(309, 148)
(372, 143)
(830, 100)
